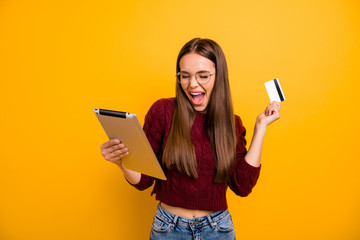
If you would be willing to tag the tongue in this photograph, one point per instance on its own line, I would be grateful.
(198, 99)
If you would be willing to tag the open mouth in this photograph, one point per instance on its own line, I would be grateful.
(197, 98)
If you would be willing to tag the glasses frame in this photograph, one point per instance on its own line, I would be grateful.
(179, 81)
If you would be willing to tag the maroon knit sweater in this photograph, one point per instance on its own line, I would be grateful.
(202, 193)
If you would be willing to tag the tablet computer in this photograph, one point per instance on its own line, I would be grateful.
(126, 127)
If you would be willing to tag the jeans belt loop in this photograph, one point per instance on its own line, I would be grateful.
(212, 223)
(175, 219)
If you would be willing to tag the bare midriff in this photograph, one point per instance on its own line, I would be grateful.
(186, 213)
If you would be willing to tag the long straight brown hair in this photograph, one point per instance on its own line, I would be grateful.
(220, 123)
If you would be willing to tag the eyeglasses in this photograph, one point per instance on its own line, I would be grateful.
(202, 77)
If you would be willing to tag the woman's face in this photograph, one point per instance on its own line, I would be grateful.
(198, 94)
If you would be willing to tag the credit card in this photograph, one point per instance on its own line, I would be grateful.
(274, 90)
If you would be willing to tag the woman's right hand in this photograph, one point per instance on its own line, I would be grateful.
(114, 150)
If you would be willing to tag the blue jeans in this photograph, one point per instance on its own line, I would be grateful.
(217, 225)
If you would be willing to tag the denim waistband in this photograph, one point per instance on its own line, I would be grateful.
(198, 222)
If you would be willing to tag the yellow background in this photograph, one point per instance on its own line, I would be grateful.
(61, 59)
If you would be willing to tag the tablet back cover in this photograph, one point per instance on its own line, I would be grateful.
(141, 157)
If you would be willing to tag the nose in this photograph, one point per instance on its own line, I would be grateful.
(193, 82)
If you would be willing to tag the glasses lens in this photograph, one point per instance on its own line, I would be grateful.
(184, 77)
(203, 77)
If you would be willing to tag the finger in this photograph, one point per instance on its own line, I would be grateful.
(115, 160)
(274, 102)
(116, 147)
(277, 105)
(268, 110)
(275, 113)
(271, 110)
(109, 150)
(118, 152)
(119, 158)
(113, 149)
(110, 143)
(271, 106)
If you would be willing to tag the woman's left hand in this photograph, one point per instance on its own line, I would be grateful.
(270, 114)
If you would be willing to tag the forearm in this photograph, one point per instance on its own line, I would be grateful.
(271, 114)
(253, 156)
(131, 176)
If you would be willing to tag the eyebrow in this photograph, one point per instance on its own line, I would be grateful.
(196, 72)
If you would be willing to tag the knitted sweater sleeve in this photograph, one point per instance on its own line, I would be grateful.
(243, 176)
(153, 128)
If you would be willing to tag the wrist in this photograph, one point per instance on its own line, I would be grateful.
(260, 127)
(120, 165)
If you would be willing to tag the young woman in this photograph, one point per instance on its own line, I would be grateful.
(201, 146)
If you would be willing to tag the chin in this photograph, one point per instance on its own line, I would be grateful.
(200, 108)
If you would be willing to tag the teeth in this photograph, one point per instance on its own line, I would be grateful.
(195, 94)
